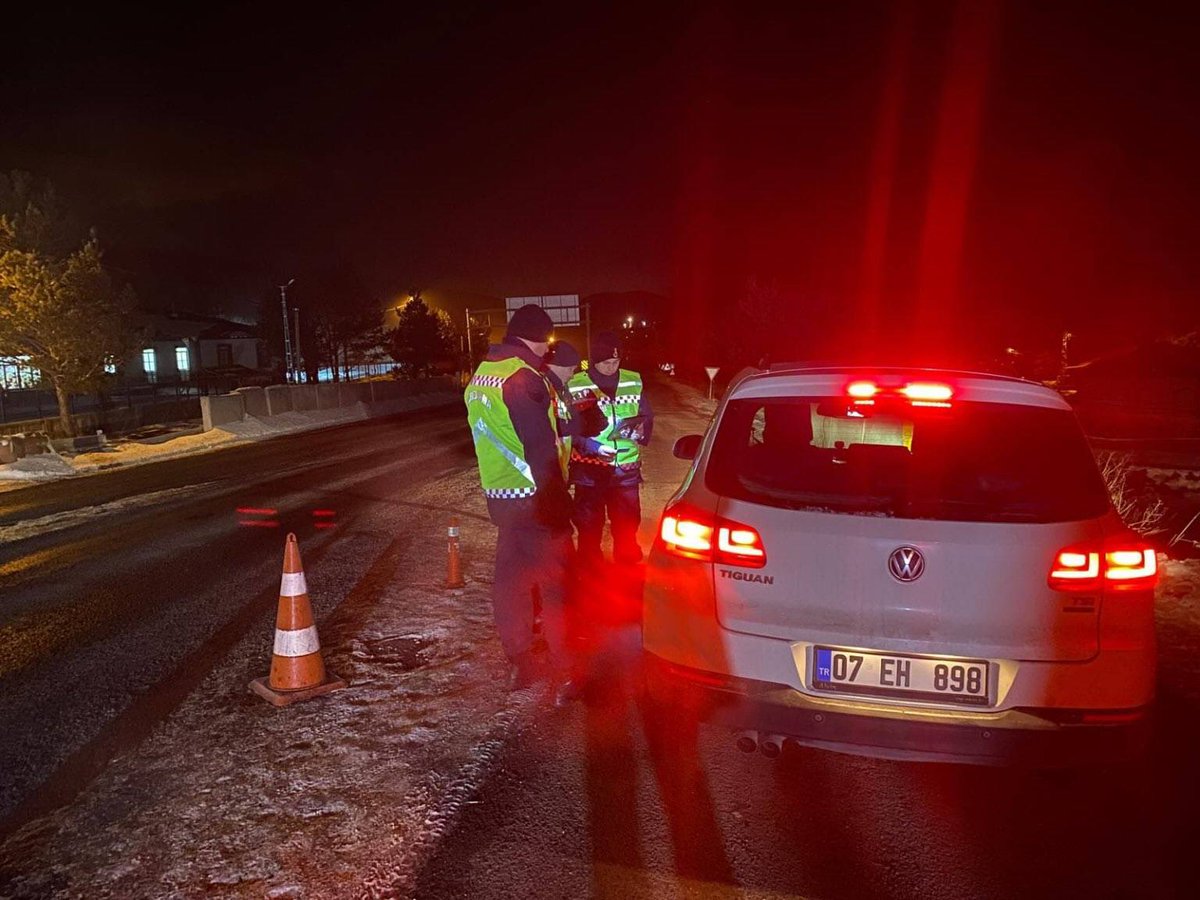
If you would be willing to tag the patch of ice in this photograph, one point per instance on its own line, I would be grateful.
(36, 468)
(58, 521)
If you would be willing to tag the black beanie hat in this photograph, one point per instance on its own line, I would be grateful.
(564, 353)
(532, 323)
(605, 345)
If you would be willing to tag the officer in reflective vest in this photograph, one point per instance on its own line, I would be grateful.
(523, 467)
(607, 469)
(584, 421)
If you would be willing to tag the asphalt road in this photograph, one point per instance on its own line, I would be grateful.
(120, 591)
(605, 800)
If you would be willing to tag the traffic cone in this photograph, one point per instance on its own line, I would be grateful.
(297, 669)
(454, 577)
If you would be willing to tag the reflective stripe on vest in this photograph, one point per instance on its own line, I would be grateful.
(504, 472)
(565, 414)
(623, 405)
(519, 464)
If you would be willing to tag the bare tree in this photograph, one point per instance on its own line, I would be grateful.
(1143, 515)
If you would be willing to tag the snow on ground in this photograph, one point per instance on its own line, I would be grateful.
(1177, 619)
(344, 795)
(127, 453)
(347, 794)
(36, 468)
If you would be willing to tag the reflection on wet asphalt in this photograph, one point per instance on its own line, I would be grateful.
(612, 799)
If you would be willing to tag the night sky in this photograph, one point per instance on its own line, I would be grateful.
(963, 175)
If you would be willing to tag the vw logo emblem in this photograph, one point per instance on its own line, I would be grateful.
(906, 563)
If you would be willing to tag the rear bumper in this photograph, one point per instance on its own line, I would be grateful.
(1016, 737)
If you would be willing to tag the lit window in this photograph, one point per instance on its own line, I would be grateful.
(149, 364)
(182, 362)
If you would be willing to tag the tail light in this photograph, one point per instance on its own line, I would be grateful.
(918, 393)
(927, 392)
(1121, 564)
(685, 534)
(694, 534)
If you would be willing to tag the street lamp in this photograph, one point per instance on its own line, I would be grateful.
(287, 336)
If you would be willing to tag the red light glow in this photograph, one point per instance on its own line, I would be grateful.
(689, 533)
(1123, 566)
(921, 391)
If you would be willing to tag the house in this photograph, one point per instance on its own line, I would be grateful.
(178, 348)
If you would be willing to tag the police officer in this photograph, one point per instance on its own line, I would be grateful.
(523, 467)
(607, 469)
(582, 420)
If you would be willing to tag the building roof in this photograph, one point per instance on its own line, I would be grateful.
(179, 327)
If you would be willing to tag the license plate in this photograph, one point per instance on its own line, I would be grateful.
(901, 676)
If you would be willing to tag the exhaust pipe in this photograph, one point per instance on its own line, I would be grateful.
(771, 746)
(747, 741)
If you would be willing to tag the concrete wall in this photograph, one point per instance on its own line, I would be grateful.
(327, 396)
(256, 400)
(271, 401)
(222, 409)
(279, 399)
(304, 397)
(349, 394)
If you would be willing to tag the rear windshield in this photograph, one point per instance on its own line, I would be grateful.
(984, 462)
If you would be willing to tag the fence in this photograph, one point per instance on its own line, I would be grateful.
(26, 405)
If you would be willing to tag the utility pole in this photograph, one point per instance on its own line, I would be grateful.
(297, 357)
(287, 337)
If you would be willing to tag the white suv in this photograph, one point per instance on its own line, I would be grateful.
(902, 563)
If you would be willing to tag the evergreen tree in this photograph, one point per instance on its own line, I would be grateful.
(422, 338)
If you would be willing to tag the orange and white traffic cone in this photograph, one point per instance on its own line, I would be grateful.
(297, 669)
(454, 577)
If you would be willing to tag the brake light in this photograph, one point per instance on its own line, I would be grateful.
(742, 544)
(918, 393)
(685, 536)
(689, 533)
(1128, 566)
(927, 391)
(1124, 564)
(1072, 567)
